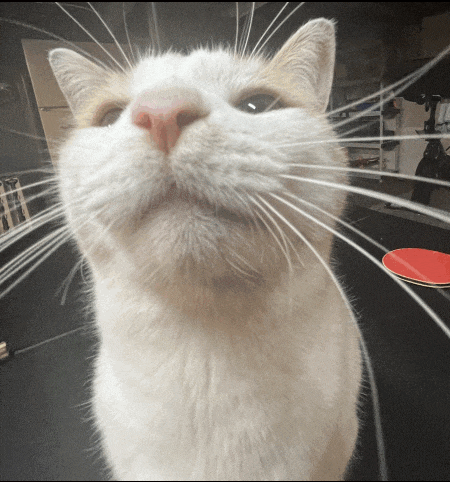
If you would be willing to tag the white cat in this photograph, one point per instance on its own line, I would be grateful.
(226, 351)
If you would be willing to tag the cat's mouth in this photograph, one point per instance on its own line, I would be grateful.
(177, 196)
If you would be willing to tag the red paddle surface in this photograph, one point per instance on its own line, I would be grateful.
(419, 265)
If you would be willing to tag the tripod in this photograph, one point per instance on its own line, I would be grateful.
(435, 162)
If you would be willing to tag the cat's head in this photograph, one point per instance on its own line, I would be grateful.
(166, 174)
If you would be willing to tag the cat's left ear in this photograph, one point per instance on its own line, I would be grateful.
(309, 56)
(78, 78)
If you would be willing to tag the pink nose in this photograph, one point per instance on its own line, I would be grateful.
(164, 114)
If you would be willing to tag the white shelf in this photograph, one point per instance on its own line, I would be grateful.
(388, 159)
(360, 114)
(362, 145)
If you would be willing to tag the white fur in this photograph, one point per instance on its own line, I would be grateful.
(217, 361)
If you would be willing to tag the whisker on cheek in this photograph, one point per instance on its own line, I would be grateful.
(377, 263)
(437, 182)
(284, 247)
(420, 208)
(383, 469)
(111, 57)
(348, 226)
(400, 85)
(338, 141)
(37, 250)
(112, 35)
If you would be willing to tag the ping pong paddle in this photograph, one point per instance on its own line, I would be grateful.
(420, 266)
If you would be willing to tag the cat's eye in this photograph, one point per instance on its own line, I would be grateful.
(110, 117)
(259, 103)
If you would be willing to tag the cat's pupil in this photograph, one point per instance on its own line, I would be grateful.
(259, 103)
(110, 117)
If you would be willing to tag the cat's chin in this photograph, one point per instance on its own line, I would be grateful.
(176, 199)
(188, 242)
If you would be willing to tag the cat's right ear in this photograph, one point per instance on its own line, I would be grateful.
(78, 78)
(307, 61)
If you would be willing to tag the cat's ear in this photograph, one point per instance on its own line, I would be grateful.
(309, 56)
(77, 77)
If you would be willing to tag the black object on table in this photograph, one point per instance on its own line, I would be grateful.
(435, 163)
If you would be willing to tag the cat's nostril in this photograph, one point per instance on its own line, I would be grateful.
(142, 119)
(185, 118)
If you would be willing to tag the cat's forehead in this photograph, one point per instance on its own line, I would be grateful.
(219, 70)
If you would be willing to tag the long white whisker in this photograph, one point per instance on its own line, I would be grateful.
(398, 138)
(100, 235)
(68, 280)
(372, 108)
(150, 24)
(91, 36)
(359, 233)
(249, 28)
(46, 170)
(363, 113)
(284, 249)
(401, 283)
(358, 128)
(409, 177)
(383, 100)
(72, 5)
(268, 28)
(55, 245)
(240, 270)
(375, 399)
(46, 216)
(237, 29)
(54, 338)
(70, 276)
(272, 103)
(24, 254)
(434, 213)
(243, 260)
(49, 214)
(407, 81)
(74, 46)
(23, 134)
(338, 220)
(110, 33)
(155, 21)
(28, 186)
(127, 33)
(29, 199)
(19, 209)
(281, 23)
(367, 139)
(37, 249)
(52, 189)
(244, 34)
(17, 263)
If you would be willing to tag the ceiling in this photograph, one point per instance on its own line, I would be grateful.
(183, 25)
(187, 23)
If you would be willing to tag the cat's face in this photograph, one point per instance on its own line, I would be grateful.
(184, 198)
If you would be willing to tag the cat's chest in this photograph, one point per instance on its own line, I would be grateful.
(193, 402)
(277, 352)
